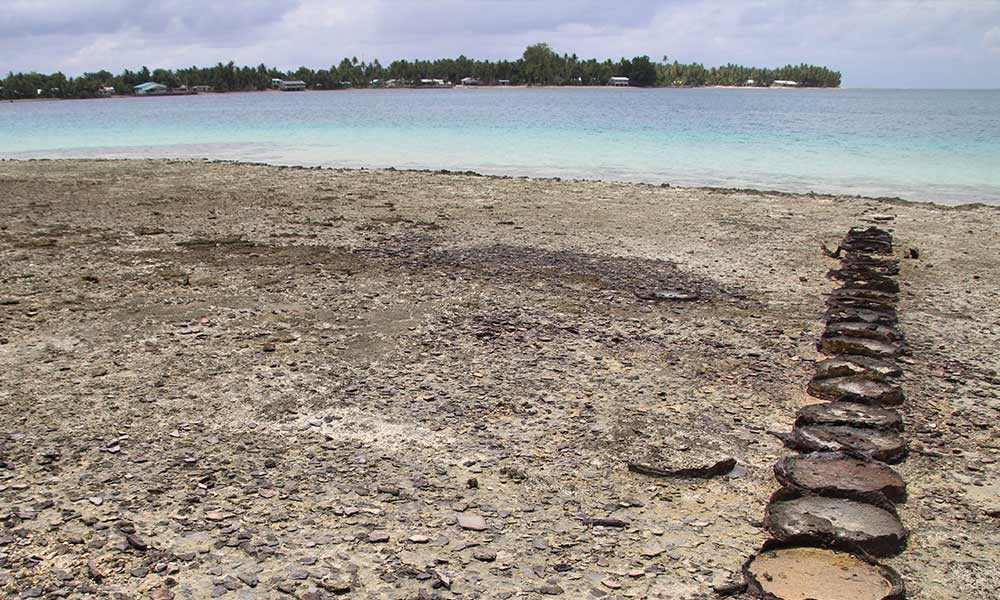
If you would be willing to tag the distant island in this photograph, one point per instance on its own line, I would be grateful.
(539, 66)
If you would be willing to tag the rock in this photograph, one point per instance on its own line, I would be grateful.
(837, 522)
(611, 584)
(846, 366)
(837, 474)
(852, 414)
(613, 523)
(136, 542)
(859, 346)
(93, 571)
(551, 589)
(484, 555)
(471, 522)
(858, 389)
(378, 537)
(730, 588)
(335, 585)
(703, 471)
(418, 539)
(797, 573)
(885, 446)
(666, 295)
(162, 593)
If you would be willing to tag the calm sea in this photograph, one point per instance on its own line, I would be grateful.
(942, 146)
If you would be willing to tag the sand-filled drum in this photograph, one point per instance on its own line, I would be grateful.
(819, 574)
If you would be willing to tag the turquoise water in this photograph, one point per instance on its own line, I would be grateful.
(937, 145)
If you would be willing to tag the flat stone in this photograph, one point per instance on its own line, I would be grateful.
(703, 470)
(859, 346)
(551, 589)
(378, 537)
(471, 522)
(136, 542)
(484, 555)
(845, 366)
(838, 522)
(856, 388)
(851, 414)
(667, 295)
(837, 474)
(819, 574)
(885, 446)
(217, 516)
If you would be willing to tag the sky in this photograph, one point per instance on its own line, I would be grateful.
(874, 43)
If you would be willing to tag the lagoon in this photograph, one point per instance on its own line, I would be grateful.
(933, 145)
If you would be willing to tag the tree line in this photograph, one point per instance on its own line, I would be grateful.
(539, 65)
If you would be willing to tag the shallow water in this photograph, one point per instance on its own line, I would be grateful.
(936, 145)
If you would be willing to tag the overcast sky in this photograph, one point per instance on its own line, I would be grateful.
(877, 43)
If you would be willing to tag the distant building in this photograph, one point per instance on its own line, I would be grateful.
(471, 81)
(293, 85)
(785, 83)
(150, 88)
(276, 82)
(503, 82)
(433, 83)
(750, 82)
(106, 91)
(201, 88)
(618, 81)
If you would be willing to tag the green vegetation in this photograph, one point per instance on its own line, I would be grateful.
(539, 65)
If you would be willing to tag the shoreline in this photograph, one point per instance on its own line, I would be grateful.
(890, 200)
(421, 89)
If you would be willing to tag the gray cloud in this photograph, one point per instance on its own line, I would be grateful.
(29, 18)
(904, 43)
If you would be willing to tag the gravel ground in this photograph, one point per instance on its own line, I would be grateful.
(243, 381)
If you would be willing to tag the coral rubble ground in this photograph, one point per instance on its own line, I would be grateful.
(245, 381)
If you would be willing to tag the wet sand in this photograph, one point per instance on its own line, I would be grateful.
(247, 381)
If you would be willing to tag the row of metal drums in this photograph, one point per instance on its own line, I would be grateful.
(834, 515)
